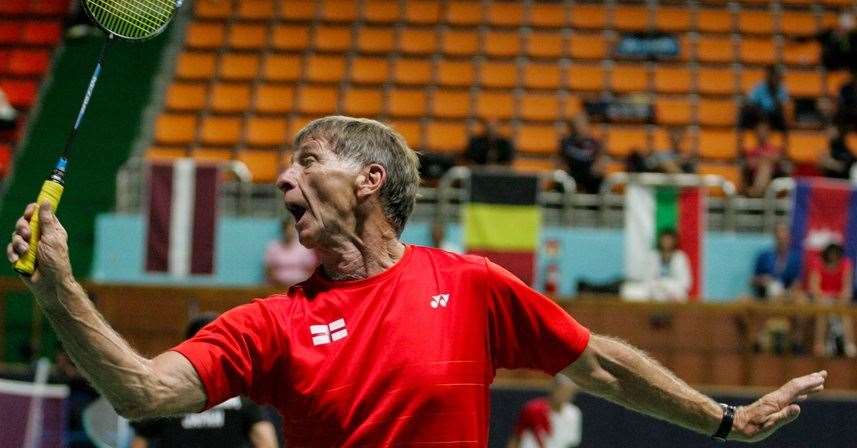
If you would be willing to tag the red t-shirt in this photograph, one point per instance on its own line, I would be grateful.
(403, 357)
(831, 278)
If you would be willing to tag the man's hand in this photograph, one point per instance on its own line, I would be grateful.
(757, 421)
(53, 265)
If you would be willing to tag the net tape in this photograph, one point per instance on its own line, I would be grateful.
(132, 19)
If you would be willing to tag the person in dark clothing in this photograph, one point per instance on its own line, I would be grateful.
(583, 155)
(846, 104)
(838, 45)
(767, 101)
(671, 160)
(839, 159)
(488, 147)
(237, 422)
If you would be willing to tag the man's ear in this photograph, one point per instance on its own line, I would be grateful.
(370, 180)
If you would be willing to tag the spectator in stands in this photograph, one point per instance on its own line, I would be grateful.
(8, 114)
(439, 239)
(287, 262)
(830, 282)
(671, 160)
(838, 45)
(78, 24)
(550, 421)
(767, 101)
(762, 163)
(488, 147)
(81, 395)
(846, 104)
(667, 277)
(839, 159)
(583, 155)
(777, 269)
(235, 423)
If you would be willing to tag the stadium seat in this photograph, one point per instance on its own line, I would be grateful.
(381, 11)
(248, 37)
(717, 144)
(495, 105)
(672, 79)
(417, 41)
(716, 112)
(538, 139)
(212, 9)
(591, 16)
(21, 93)
(621, 140)
(331, 38)
(454, 73)
(239, 66)
(41, 33)
(797, 23)
(673, 111)
(572, 106)
(422, 11)
(247, 9)
(220, 131)
(715, 49)
(28, 62)
(586, 77)
(728, 171)
(369, 70)
(185, 96)
(5, 55)
(193, 65)
(533, 165)
(502, 43)
(10, 32)
(290, 37)
(275, 99)
(175, 129)
(376, 40)
(165, 153)
(716, 81)
(412, 71)
(505, 14)
(588, 46)
(325, 68)
(14, 7)
(544, 44)
(317, 100)
(806, 146)
(450, 104)
(47, 7)
(750, 77)
(806, 53)
(803, 83)
(212, 154)
(756, 22)
(672, 19)
(363, 102)
(542, 76)
(446, 136)
(629, 78)
(407, 103)
(460, 43)
(714, 20)
(283, 68)
(339, 10)
(411, 130)
(230, 97)
(205, 35)
(498, 74)
(462, 12)
(548, 15)
(630, 17)
(266, 131)
(757, 51)
(834, 82)
(540, 107)
(263, 164)
(297, 10)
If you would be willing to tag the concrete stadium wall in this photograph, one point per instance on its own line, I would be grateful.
(120, 241)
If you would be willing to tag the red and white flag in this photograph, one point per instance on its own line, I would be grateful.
(182, 219)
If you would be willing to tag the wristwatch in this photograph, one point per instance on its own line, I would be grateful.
(725, 424)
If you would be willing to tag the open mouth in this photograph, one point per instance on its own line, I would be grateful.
(297, 211)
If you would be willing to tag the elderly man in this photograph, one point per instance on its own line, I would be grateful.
(388, 343)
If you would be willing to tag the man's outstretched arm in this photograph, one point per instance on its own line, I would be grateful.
(136, 386)
(624, 375)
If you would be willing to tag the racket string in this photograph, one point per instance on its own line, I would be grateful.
(134, 19)
(123, 21)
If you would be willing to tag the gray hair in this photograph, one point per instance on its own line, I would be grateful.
(364, 142)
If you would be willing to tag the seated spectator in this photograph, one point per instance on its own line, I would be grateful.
(583, 155)
(667, 277)
(488, 147)
(838, 45)
(551, 421)
(830, 282)
(286, 261)
(767, 101)
(671, 160)
(777, 269)
(81, 395)
(846, 103)
(235, 423)
(839, 159)
(8, 114)
(439, 239)
(762, 163)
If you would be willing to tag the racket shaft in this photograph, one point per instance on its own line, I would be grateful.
(51, 193)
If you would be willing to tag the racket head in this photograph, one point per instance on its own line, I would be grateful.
(131, 19)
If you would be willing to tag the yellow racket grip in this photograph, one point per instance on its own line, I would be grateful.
(51, 193)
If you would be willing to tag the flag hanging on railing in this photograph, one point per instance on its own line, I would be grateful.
(824, 211)
(182, 217)
(650, 210)
(502, 219)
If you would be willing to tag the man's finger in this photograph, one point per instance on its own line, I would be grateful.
(801, 385)
(10, 254)
(46, 215)
(782, 417)
(22, 227)
(19, 245)
(28, 211)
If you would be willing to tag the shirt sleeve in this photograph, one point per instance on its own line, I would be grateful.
(234, 355)
(528, 330)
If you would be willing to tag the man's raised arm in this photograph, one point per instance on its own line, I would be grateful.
(620, 373)
(136, 386)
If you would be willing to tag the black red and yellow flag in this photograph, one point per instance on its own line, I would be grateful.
(502, 220)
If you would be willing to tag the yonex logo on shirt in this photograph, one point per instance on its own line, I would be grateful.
(439, 300)
(325, 334)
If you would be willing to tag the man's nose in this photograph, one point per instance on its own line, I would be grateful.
(286, 180)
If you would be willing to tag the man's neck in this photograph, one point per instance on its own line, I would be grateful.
(370, 250)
